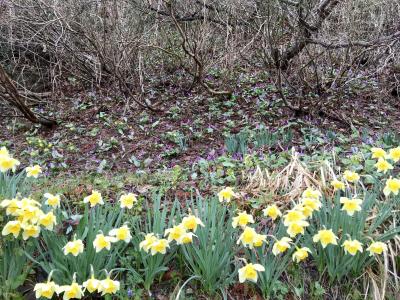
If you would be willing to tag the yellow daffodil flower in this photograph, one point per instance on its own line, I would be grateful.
(242, 219)
(249, 272)
(101, 242)
(383, 165)
(338, 185)
(311, 193)
(292, 216)
(45, 290)
(378, 152)
(159, 246)
(11, 206)
(127, 200)
(191, 222)
(392, 186)
(73, 291)
(307, 211)
(149, 239)
(259, 239)
(247, 237)
(30, 231)
(91, 284)
(175, 233)
(108, 286)
(7, 162)
(301, 254)
(377, 248)
(122, 233)
(272, 211)
(33, 171)
(12, 227)
(226, 195)
(394, 154)
(313, 203)
(94, 199)
(296, 228)
(350, 205)
(74, 247)
(351, 176)
(281, 245)
(52, 200)
(186, 238)
(352, 247)
(325, 237)
(48, 220)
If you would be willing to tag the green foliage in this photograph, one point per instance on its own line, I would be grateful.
(210, 257)
(50, 247)
(14, 267)
(360, 226)
(269, 280)
(144, 268)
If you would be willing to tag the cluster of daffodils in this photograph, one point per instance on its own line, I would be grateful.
(182, 233)
(29, 218)
(296, 221)
(105, 286)
(385, 160)
(7, 162)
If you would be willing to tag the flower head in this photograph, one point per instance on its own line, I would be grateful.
(6, 161)
(74, 247)
(247, 237)
(281, 245)
(73, 291)
(300, 254)
(392, 186)
(296, 228)
(127, 200)
(108, 286)
(191, 222)
(311, 193)
(325, 237)
(351, 176)
(12, 227)
(92, 284)
(94, 199)
(383, 165)
(242, 219)
(350, 205)
(48, 220)
(292, 216)
(186, 238)
(33, 171)
(101, 242)
(378, 152)
(259, 239)
(149, 239)
(175, 233)
(122, 233)
(377, 248)
(45, 290)
(30, 231)
(338, 185)
(352, 247)
(394, 154)
(159, 246)
(311, 203)
(52, 200)
(249, 272)
(272, 211)
(226, 194)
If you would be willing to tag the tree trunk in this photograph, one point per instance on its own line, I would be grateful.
(12, 96)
